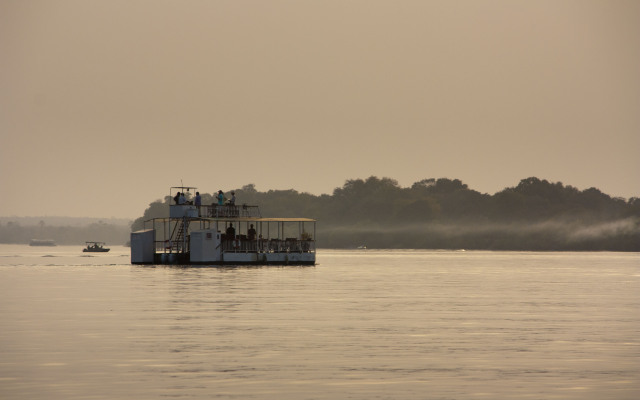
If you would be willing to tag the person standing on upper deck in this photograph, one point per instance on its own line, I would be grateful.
(182, 199)
(220, 197)
(198, 202)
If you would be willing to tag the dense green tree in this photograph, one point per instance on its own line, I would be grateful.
(157, 209)
(422, 210)
(445, 213)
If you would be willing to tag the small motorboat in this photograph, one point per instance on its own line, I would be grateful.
(95, 247)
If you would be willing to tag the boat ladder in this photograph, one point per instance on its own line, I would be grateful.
(178, 243)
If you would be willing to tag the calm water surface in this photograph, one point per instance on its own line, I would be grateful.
(359, 325)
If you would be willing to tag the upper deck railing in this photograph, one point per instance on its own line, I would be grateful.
(229, 211)
(214, 211)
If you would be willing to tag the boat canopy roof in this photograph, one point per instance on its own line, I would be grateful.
(243, 219)
(281, 219)
(181, 189)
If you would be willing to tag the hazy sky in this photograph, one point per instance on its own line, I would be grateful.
(106, 104)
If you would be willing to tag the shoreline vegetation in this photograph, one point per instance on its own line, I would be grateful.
(535, 215)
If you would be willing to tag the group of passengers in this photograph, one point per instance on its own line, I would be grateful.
(251, 232)
(230, 235)
(180, 198)
(220, 198)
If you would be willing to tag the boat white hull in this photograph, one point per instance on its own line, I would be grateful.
(237, 259)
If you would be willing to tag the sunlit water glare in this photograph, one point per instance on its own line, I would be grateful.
(362, 324)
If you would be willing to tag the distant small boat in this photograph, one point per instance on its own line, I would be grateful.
(42, 242)
(95, 247)
(363, 247)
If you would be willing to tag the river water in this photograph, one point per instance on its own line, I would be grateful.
(362, 324)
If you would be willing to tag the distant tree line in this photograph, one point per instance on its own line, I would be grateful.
(445, 214)
(13, 232)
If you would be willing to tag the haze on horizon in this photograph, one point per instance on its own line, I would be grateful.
(105, 105)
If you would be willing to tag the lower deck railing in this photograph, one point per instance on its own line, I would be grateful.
(289, 245)
(269, 246)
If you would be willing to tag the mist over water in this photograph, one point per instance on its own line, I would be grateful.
(393, 324)
(620, 235)
(569, 229)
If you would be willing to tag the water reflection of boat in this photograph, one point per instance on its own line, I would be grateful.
(42, 242)
(223, 235)
(95, 247)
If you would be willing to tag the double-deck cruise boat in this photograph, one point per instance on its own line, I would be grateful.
(223, 235)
